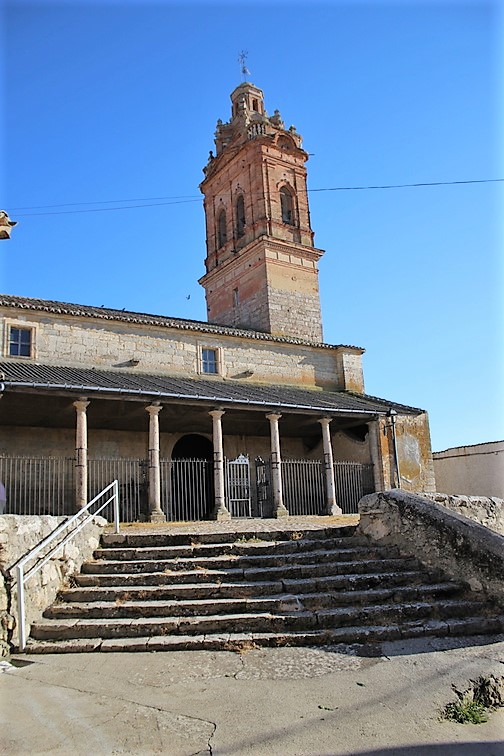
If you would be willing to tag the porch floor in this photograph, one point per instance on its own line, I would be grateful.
(241, 525)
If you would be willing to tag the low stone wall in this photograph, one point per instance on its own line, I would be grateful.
(19, 534)
(488, 511)
(439, 537)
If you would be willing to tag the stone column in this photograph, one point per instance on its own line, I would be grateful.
(220, 511)
(279, 509)
(156, 513)
(376, 456)
(81, 469)
(332, 505)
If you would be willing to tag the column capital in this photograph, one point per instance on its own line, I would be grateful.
(325, 421)
(153, 409)
(81, 404)
(273, 416)
(217, 413)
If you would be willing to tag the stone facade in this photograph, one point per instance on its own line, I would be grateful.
(112, 343)
(261, 263)
(19, 534)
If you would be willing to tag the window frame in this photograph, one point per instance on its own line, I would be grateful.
(19, 325)
(203, 361)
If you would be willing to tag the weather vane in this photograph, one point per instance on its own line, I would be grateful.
(242, 60)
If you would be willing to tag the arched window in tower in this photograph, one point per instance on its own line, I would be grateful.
(240, 216)
(287, 205)
(221, 229)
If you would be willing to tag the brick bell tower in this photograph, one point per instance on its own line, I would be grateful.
(261, 265)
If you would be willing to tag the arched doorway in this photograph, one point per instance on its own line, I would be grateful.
(193, 446)
(192, 488)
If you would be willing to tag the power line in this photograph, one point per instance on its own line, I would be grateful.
(183, 199)
(109, 202)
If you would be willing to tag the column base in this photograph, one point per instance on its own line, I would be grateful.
(334, 510)
(280, 511)
(157, 517)
(221, 515)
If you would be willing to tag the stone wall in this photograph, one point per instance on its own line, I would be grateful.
(19, 534)
(414, 451)
(440, 538)
(79, 341)
(488, 511)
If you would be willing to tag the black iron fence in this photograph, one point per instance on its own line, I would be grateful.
(46, 485)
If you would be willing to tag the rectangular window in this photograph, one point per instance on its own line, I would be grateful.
(20, 342)
(209, 361)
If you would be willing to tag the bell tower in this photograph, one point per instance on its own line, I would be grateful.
(261, 265)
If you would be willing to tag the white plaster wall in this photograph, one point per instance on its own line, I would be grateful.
(471, 470)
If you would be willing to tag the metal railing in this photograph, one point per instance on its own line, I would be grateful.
(353, 481)
(80, 522)
(186, 489)
(38, 485)
(303, 486)
(131, 475)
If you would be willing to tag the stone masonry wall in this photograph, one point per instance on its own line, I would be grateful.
(414, 451)
(485, 510)
(110, 345)
(440, 538)
(19, 534)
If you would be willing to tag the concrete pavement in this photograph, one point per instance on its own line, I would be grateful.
(381, 700)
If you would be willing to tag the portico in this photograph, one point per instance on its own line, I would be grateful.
(115, 427)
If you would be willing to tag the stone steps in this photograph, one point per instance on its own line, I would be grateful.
(254, 621)
(157, 607)
(177, 591)
(230, 569)
(141, 593)
(243, 641)
(251, 547)
(152, 540)
(233, 561)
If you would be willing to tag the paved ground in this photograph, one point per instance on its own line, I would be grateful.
(290, 702)
(242, 525)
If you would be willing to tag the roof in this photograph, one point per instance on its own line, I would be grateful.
(126, 316)
(60, 379)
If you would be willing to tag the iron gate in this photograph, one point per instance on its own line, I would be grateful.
(353, 481)
(263, 487)
(187, 490)
(303, 483)
(238, 487)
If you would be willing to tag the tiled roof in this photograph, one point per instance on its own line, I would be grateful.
(105, 313)
(24, 375)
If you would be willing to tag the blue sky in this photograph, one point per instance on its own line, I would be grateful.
(109, 110)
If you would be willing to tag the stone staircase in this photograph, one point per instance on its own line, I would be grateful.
(159, 591)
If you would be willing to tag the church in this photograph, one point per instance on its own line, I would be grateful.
(250, 414)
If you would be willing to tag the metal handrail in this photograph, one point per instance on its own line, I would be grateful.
(22, 577)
